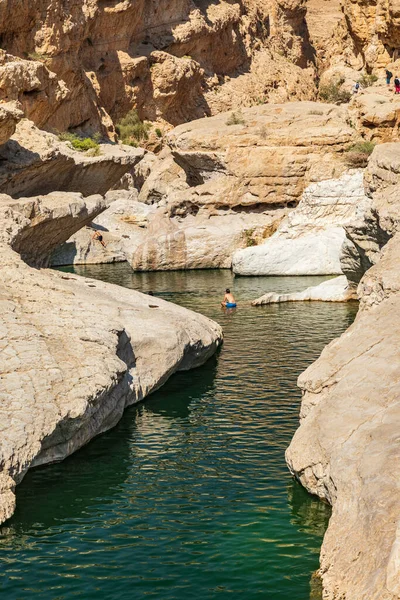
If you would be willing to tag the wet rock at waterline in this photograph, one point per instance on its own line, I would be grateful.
(75, 352)
(333, 290)
(221, 186)
(149, 239)
(346, 452)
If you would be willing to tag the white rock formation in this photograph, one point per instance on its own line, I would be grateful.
(333, 290)
(74, 352)
(309, 241)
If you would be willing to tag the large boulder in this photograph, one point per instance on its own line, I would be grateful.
(337, 289)
(149, 239)
(262, 156)
(10, 115)
(75, 352)
(225, 183)
(309, 241)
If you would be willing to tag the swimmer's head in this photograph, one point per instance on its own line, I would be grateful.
(227, 291)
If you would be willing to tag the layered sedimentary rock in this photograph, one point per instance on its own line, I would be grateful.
(309, 241)
(222, 184)
(85, 64)
(36, 162)
(376, 113)
(263, 156)
(346, 450)
(323, 17)
(147, 237)
(74, 352)
(368, 34)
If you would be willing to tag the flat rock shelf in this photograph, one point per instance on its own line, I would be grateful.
(189, 496)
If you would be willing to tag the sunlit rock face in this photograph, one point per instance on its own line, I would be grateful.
(346, 449)
(310, 240)
(84, 64)
(368, 34)
(74, 352)
(224, 184)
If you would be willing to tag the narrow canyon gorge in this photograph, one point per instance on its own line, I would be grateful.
(201, 135)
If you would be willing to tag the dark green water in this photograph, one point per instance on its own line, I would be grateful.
(189, 496)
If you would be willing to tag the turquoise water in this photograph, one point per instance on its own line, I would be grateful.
(189, 496)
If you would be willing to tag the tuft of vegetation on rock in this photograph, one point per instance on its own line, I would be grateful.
(38, 56)
(82, 144)
(357, 156)
(132, 130)
(366, 80)
(236, 118)
(334, 93)
(249, 238)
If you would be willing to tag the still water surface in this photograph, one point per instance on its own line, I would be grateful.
(189, 496)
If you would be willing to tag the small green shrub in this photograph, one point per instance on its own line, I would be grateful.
(366, 80)
(358, 154)
(316, 112)
(37, 56)
(80, 143)
(248, 237)
(333, 93)
(159, 133)
(94, 151)
(236, 118)
(132, 130)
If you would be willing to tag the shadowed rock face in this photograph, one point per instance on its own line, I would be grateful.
(346, 449)
(78, 63)
(74, 352)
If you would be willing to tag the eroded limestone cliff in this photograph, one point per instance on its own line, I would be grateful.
(219, 186)
(368, 34)
(82, 63)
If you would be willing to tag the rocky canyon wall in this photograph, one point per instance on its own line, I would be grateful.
(368, 34)
(83, 64)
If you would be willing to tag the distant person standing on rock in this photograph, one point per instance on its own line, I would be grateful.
(356, 88)
(389, 76)
(396, 85)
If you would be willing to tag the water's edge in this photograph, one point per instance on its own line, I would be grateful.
(194, 480)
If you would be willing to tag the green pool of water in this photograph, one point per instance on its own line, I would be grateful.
(189, 496)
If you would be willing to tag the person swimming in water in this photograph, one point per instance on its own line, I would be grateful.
(229, 300)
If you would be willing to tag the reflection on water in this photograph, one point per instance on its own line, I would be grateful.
(189, 496)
